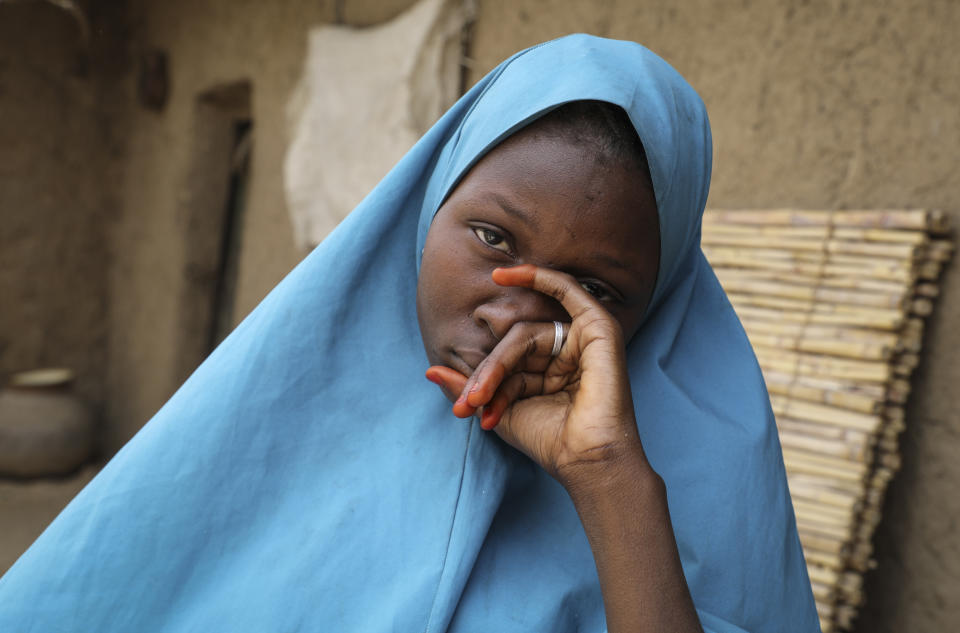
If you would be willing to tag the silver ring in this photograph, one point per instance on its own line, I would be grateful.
(557, 338)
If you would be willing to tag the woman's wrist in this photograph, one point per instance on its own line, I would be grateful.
(622, 503)
(608, 469)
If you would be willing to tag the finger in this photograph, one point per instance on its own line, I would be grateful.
(483, 383)
(450, 381)
(561, 286)
(523, 342)
(517, 387)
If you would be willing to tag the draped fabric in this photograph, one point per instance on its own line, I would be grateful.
(308, 478)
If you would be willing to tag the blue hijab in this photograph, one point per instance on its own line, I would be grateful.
(308, 478)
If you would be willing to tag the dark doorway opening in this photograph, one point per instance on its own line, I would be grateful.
(217, 184)
(224, 294)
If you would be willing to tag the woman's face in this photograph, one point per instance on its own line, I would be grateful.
(534, 199)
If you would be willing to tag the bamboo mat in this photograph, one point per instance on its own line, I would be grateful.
(834, 304)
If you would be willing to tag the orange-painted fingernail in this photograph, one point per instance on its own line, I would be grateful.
(490, 418)
(475, 398)
(461, 408)
(514, 275)
(435, 379)
(492, 414)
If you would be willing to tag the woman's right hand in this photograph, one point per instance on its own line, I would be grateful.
(571, 413)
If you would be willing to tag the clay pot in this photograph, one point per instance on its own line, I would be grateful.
(44, 428)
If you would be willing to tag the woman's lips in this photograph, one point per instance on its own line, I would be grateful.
(469, 358)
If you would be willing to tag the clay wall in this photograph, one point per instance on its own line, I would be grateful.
(825, 104)
(155, 283)
(58, 141)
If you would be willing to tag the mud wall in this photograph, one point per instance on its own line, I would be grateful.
(814, 104)
(825, 104)
(210, 44)
(58, 142)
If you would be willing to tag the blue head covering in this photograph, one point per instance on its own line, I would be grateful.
(308, 478)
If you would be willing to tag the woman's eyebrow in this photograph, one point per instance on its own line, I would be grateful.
(611, 261)
(516, 212)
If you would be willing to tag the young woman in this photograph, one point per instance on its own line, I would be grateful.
(618, 468)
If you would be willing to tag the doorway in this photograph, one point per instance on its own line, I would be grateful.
(216, 191)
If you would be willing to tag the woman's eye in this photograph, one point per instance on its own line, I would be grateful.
(599, 292)
(492, 238)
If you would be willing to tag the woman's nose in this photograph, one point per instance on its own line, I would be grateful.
(514, 305)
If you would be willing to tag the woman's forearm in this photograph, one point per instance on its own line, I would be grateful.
(622, 503)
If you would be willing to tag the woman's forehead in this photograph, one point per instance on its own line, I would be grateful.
(665, 111)
(562, 205)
